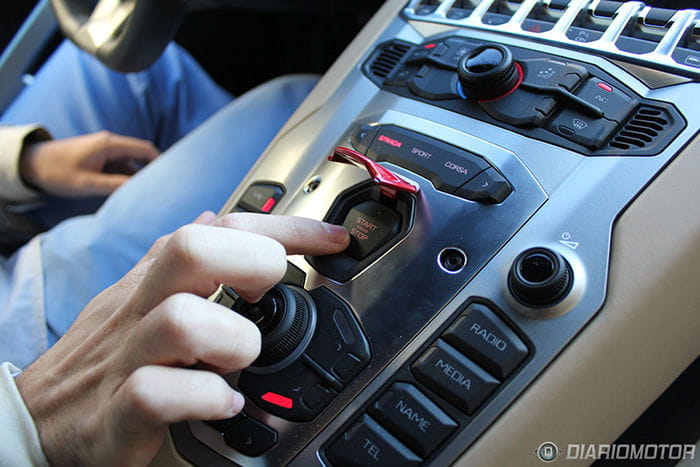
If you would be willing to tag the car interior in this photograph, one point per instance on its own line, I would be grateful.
(518, 178)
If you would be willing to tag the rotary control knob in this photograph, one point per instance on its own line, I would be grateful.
(487, 72)
(286, 317)
(540, 278)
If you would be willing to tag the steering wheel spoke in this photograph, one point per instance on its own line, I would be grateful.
(126, 35)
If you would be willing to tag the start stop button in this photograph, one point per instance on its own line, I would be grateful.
(371, 224)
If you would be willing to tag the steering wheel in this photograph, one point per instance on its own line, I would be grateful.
(126, 35)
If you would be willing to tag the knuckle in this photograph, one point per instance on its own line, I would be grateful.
(173, 320)
(235, 221)
(183, 246)
(139, 395)
(104, 138)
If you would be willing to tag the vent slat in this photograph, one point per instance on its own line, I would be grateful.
(642, 130)
(389, 57)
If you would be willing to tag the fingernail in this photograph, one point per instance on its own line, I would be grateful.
(238, 403)
(337, 232)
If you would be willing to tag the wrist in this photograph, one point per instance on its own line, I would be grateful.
(27, 164)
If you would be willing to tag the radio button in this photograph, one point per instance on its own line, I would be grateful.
(485, 338)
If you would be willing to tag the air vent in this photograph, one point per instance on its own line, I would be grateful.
(643, 130)
(388, 56)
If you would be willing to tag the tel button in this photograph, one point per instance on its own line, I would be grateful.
(454, 377)
(366, 443)
(485, 338)
(413, 418)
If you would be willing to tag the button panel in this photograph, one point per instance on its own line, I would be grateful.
(552, 92)
(336, 354)
(431, 397)
(449, 169)
(287, 392)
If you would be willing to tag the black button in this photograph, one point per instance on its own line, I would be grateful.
(362, 137)
(544, 72)
(606, 8)
(339, 347)
(454, 377)
(615, 104)
(399, 77)
(546, 106)
(250, 437)
(413, 418)
(446, 166)
(487, 340)
(420, 53)
(521, 108)
(371, 224)
(458, 13)
(425, 9)
(261, 197)
(487, 187)
(434, 84)
(368, 444)
(582, 129)
(294, 393)
(659, 16)
(224, 424)
(452, 52)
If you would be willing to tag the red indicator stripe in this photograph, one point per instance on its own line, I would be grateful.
(269, 204)
(605, 87)
(278, 399)
(430, 46)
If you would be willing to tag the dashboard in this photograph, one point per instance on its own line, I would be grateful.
(518, 181)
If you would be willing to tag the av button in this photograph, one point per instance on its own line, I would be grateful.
(413, 418)
(485, 338)
(454, 377)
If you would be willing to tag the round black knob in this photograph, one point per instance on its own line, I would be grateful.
(285, 316)
(487, 72)
(540, 278)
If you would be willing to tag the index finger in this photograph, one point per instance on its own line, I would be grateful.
(298, 235)
(119, 146)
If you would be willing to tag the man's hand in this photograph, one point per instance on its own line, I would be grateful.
(150, 350)
(73, 167)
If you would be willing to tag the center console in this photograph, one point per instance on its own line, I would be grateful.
(479, 154)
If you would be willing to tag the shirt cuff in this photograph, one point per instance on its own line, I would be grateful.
(12, 140)
(19, 438)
